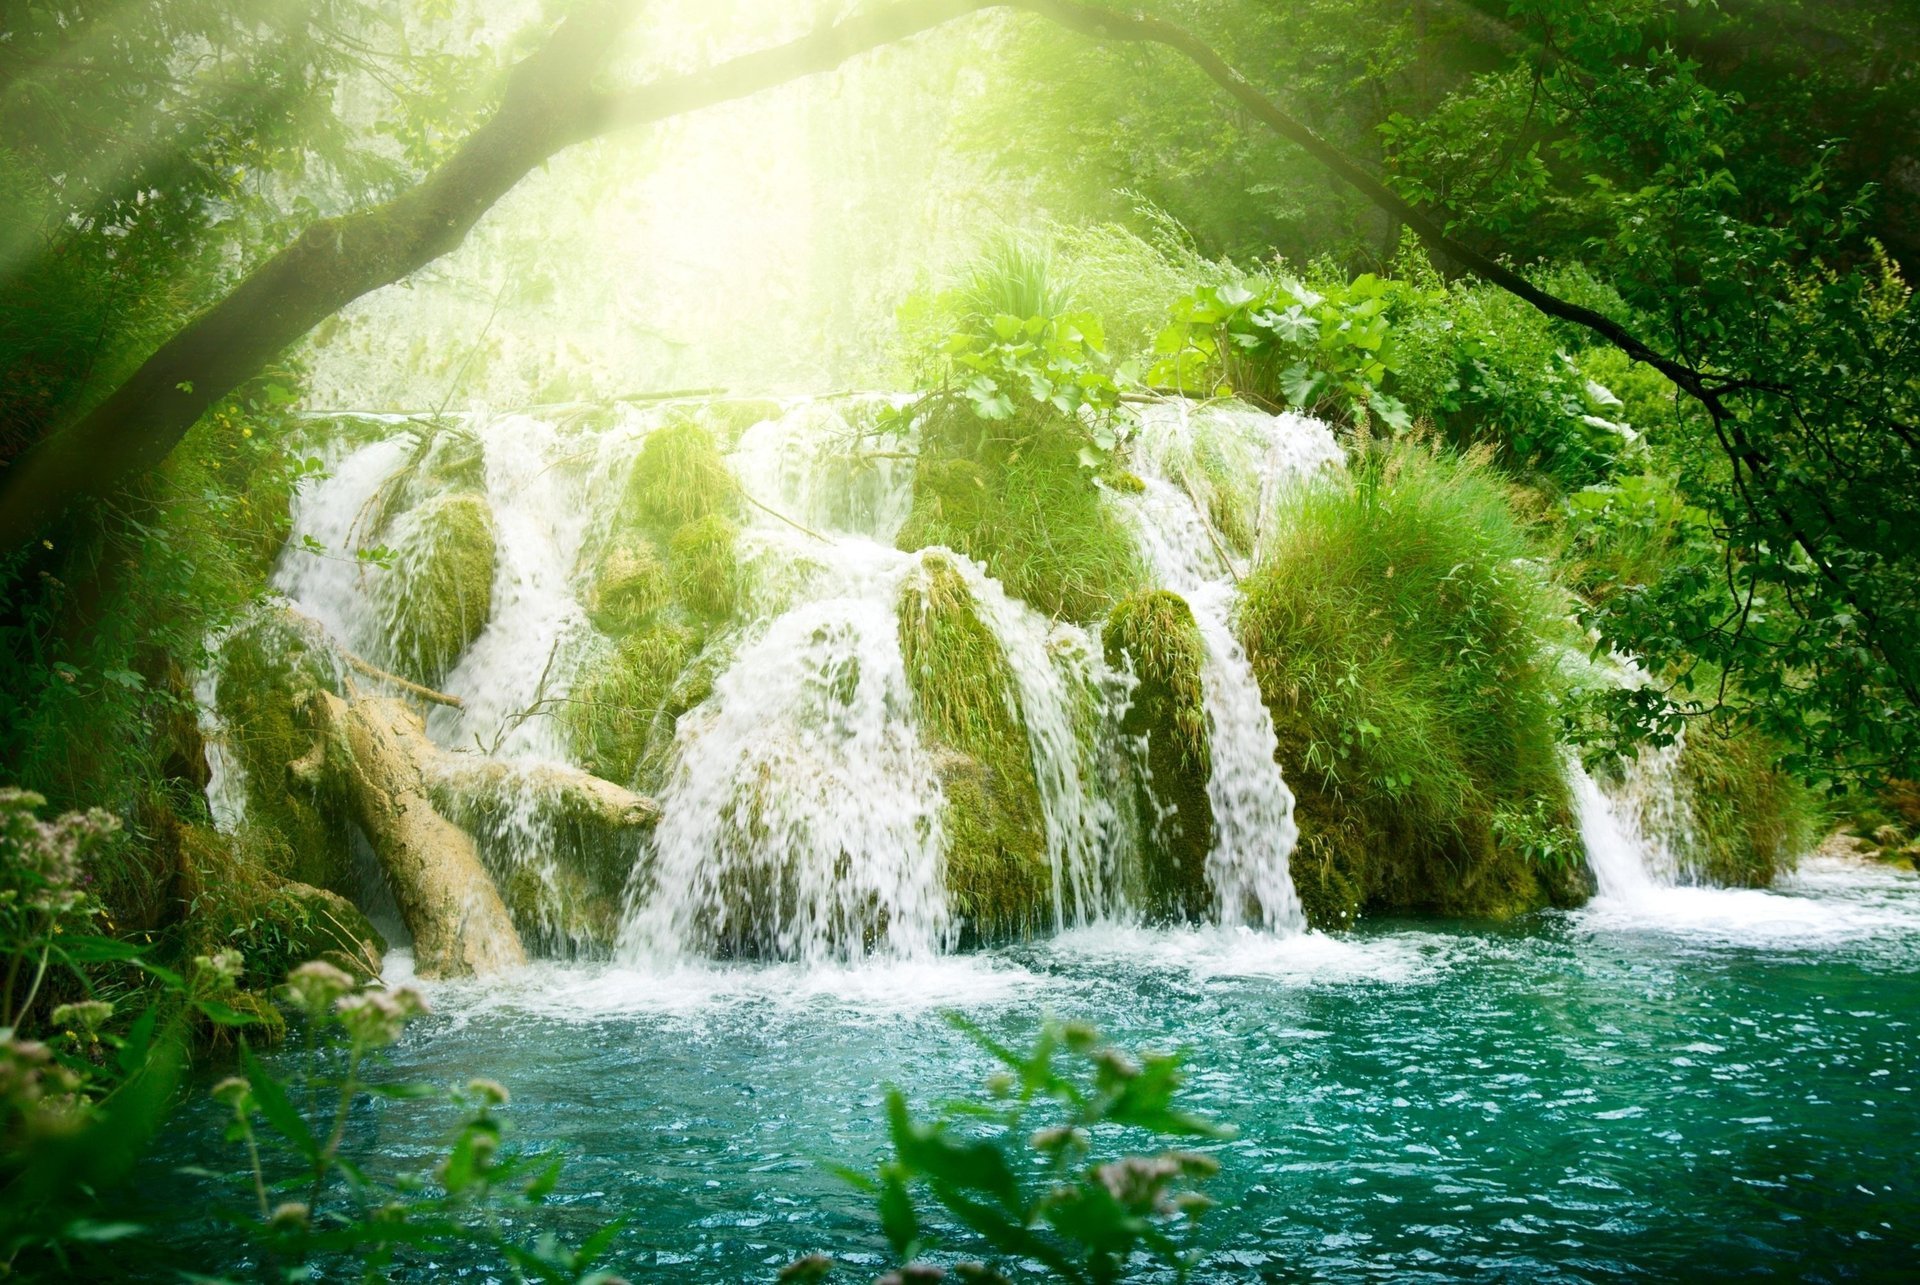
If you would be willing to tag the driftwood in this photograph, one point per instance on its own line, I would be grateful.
(374, 752)
(318, 635)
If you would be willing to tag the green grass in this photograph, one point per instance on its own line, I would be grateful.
(439, 594)
(679, 477)
(998, 874)
(1153, 635)
(705, 568)
(611, 712)
(1014, 496)
(1399, 629)
(1751, 821)
(629, 585)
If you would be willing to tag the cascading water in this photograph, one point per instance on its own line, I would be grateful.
(801, 810)
(1254, 831)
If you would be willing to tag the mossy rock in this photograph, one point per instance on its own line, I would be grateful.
(559, 911)
(1154, 636)
(439, 594)
(325, 925)
(267, 677)
(999, 878)
(621, 695)
(1016, 497)
(705, 568)
(629, 586)
(679, 477)
(1751, 820)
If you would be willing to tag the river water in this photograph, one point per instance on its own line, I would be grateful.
(1711, 1085)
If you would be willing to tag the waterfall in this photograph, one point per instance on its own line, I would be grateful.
(1636, 830)
(802, 813)
(1185, 461)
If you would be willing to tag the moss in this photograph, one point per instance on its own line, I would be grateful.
(1154, 636)
(1751, 821)
(621, 694)
(1016, 497)
(1400, 634)
(558, 909)
(629, 586)
(705, 567)
(680, 477)
(999, 878)
(267, 676)
(439, 594)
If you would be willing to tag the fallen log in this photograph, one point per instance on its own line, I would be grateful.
(374, 753)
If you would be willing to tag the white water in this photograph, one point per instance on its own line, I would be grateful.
(801, 811)
(1254, 831)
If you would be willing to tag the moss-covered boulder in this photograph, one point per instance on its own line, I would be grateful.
(267, 674)
(439, 594)
(629, 586)
(1153, 635)
(705, 569)
(1405, 642)
(999, 879)
(324, 925)
(620, 696)
(1016, 496)
(679, 477)
(1751, 821)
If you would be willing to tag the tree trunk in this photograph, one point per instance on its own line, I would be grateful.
(372, 752)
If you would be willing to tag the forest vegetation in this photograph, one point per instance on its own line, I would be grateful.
(1606, 305)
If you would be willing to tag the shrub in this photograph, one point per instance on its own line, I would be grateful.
(629, 586)
(705, 568)
(1751, 820)
(616, 701)
(679, 477)
(1400, 632)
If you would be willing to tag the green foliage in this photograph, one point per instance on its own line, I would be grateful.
(1018, 496)
(707, 576)
(439, 594)
(268, 673)
(1325, 350)
(318, 1211)
(621, 696)
(998, 877)
(1154, 637)
(679, 477)
(1022, 1172)
(1751, 821)
(1403, 637)
(629, 586)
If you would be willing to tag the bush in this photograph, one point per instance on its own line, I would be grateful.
(615, 703)
(705, 568)
(679, 477)
(1751, 821)
(1016, 496)
(1401, 634)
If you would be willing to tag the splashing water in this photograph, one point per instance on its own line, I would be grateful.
(1253, 826)
(801, 813)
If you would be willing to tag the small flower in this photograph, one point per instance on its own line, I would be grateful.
(373, 1019)
(291, 1216)
(315, 985)
(88, 1014)
(219, 970)
(1056, 1138)
(490, 1092)
(232, 1091)
(1080, 1036)
(803, 1271)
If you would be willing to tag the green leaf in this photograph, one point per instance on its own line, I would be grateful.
(897, 1217)
(270, 1096)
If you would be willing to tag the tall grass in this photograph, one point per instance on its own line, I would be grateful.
(1400, 629)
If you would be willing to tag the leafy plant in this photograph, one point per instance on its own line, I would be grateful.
(1031, 1173)
(319, 1211)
